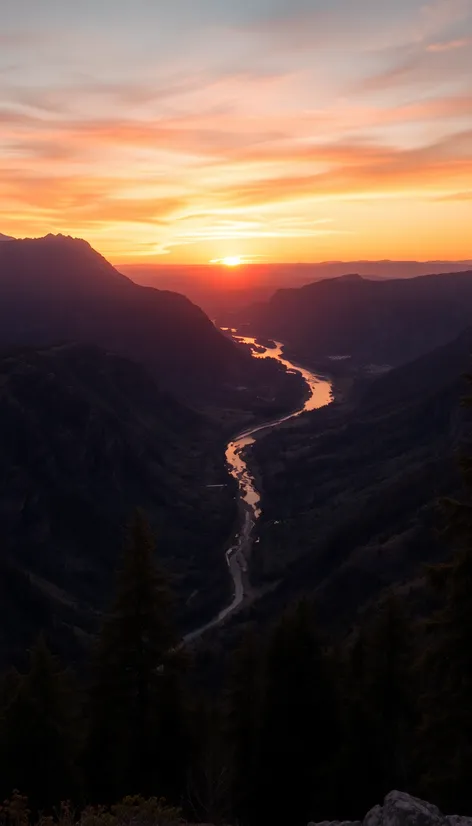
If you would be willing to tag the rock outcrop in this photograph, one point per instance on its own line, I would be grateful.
(401, 809)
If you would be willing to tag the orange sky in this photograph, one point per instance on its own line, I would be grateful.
(272, 130)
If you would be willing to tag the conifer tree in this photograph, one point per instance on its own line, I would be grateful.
(39, 743)
(243, 713)
(136, 648)
(299, 733)
(390, 690)
(379, 709)
(209, 781)
(175, 743)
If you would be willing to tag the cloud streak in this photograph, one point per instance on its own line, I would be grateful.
(293, 127)
(450, 45)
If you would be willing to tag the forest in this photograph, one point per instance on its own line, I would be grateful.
(298, 726)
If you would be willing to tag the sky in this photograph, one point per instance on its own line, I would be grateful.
(187, 131)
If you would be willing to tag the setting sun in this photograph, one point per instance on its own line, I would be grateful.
(231, 261)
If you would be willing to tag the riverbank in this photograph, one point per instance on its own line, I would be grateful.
(238, 457)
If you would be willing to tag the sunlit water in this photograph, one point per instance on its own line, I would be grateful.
(320, 395)
(238, 460)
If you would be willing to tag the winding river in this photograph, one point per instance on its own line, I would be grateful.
(238, 460)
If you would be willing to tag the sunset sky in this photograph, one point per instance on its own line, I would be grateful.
(275, 130)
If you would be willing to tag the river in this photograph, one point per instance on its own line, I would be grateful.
(238, 460)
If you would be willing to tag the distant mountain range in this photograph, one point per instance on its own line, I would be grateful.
(219, 290)
(382, 322)
(176, 276)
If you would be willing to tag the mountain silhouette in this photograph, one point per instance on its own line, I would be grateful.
(58, 288)
(372, 321)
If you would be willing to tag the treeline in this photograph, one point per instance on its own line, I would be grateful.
(301, 729)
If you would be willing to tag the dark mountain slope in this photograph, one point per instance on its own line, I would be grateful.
(382, 322)
(349, 496)
(85, 436)
(59, 289)
(417, 380)
(57, 264)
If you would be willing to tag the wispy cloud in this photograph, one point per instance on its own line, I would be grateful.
(450, 45)
(262, 122)
(456, 196)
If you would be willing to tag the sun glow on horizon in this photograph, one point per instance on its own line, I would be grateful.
(228, 261)
(291, 152)
(231, 261)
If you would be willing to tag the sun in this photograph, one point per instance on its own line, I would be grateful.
(231, 261)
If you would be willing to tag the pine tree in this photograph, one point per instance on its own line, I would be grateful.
(131, 674)
(357, 766)
(243, 711)
(209, 781)
(299, 734)
(175, 744)
(379, 709)
(39, 742)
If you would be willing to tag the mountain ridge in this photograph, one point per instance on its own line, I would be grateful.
(60, 289)
(373, 321)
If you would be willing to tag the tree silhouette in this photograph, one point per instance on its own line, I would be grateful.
(243, 724)
(135, 651)
(39, 747)
(299, 734)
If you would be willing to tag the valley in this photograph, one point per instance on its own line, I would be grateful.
(114, 397)
(240, 462)
(234, 519)
(254, 484)
(235, 413)
(351, 491)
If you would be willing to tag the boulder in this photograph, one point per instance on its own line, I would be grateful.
(401, 809)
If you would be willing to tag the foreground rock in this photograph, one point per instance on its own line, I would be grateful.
(401, 809)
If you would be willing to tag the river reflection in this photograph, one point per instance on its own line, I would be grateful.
(237, 458)
(320, 394)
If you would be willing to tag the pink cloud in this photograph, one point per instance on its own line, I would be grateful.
(380, 170)
(450, 45)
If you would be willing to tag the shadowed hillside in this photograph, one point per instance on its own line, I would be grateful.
(59, 289)
(85, 437)
(380, 322)
(349, 493)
